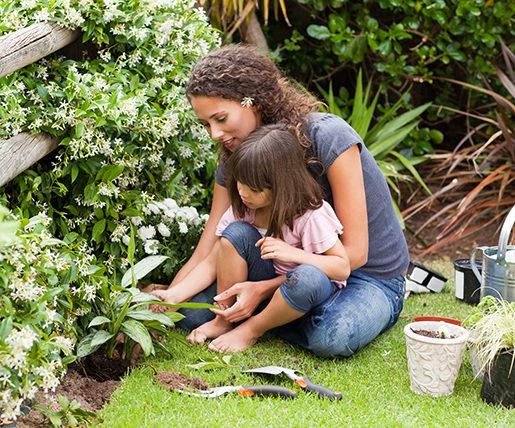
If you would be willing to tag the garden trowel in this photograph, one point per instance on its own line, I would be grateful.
(301, 381)
(244, 391)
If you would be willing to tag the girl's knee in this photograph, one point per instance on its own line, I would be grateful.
(242, 235)
(239, 230)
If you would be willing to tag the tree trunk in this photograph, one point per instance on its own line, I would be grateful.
(252, 33)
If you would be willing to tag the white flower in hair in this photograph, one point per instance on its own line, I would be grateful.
(247, 101)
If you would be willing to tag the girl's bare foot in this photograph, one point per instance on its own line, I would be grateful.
(209, 330)
(236, 340)
(151, 287)
(166, 296)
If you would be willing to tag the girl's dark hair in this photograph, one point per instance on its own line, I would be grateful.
(271, 158)
(237, 71)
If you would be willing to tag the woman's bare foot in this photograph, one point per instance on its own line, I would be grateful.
(209, 330)
(236, 340)
(166, 296)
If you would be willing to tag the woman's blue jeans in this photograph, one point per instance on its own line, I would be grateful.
(337, 322)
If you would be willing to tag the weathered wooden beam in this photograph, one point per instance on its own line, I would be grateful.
(22, 151)
(30, 44)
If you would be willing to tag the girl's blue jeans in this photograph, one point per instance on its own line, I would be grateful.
(337, 322)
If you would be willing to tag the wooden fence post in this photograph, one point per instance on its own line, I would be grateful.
(21, 152)
(30, 44)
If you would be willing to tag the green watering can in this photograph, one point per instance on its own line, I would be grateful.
(498, 271)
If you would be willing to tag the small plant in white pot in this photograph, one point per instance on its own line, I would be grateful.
(435, 351)
(494, 339)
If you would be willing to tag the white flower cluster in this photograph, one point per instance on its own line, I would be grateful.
(167, 222)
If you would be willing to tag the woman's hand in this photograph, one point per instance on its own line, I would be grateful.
(247, 297)
(277, 249)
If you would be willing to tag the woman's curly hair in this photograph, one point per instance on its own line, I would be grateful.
(237, 71)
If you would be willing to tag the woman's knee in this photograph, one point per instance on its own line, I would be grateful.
(305, 287)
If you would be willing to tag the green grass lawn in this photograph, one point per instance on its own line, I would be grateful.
(374, 383)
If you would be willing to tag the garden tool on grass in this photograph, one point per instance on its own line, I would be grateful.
(245, 391)
(301, 381)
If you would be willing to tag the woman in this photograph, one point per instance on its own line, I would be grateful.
(234, 90)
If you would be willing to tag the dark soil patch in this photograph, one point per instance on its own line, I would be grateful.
(175, 381)
(101, 368)
(431, 333)
(90, 393)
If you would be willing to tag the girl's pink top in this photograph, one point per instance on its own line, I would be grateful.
(315, 232)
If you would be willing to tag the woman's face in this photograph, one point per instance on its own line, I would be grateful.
(226, 121)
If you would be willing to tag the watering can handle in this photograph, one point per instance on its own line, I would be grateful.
(473, 264)
(505, 234)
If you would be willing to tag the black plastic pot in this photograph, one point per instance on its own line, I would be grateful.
(499, 383)
(467, 286)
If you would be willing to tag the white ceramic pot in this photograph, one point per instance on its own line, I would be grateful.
(434, 363)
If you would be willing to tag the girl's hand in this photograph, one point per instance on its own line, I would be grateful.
(247, 300)
(277, 249)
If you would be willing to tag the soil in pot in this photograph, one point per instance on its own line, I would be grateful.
(499, 384)
(431, 333)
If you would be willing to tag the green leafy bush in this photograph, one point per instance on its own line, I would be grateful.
(45, 285)
(406, 39)
(128, 135)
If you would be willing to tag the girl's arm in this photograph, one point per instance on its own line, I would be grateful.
(207, 240)
(346, 180)
(334, 262)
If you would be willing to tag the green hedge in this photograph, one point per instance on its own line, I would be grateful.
(402, 40)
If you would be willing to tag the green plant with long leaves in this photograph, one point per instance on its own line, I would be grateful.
(123, 311)
(494, 332)
(384, 138)
(476, 179)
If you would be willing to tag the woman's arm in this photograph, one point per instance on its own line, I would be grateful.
(208, 239)
(248, 296)
(345, 177)
(198, 278)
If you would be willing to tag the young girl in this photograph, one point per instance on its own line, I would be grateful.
(271, 189)
(233, 90)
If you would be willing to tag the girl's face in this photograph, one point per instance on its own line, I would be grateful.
(226, 121)
(252, 198)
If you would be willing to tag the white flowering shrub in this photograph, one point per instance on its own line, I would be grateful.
(128, 139)
(167, 229)
(128, 134)
(45, 285)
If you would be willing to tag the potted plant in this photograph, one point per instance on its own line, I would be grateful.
(435, 351)
(486, 305)
(494, 340)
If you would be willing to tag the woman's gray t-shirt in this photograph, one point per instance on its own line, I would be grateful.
(331, 136)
